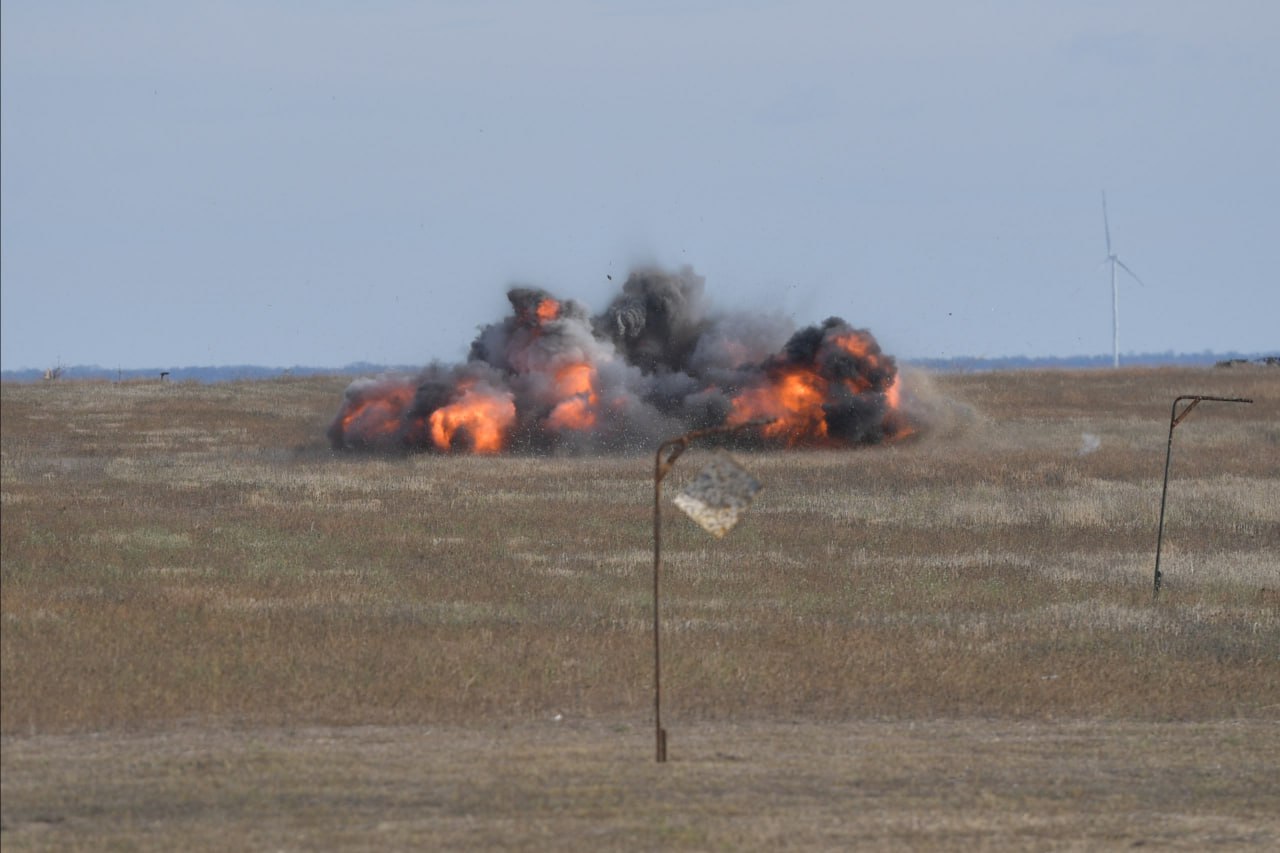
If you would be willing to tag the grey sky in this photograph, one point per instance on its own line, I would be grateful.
(320, 183)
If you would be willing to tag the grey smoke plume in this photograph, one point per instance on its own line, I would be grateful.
(656, 362)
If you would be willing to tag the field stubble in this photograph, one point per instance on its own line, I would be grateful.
(179, 556)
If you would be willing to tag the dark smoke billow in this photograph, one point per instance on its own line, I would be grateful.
(655, 363)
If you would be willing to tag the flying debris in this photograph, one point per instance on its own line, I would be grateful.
(553, 377)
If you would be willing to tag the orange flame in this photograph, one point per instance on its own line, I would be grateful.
(575, 385)
(793, 400)
(893, 397)
(548, 309)
(852, 343)
(482, 417)
(897, 425)
(856, 345)
(379, 417)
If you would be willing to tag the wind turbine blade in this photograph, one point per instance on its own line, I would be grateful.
(1125, 267)
(1106, 225)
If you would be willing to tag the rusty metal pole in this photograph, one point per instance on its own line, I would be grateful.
(661, 467)
(1175, 418)
(660, 736)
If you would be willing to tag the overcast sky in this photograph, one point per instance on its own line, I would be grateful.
(319, 183)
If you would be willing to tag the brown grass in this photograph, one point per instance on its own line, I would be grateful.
(946, 784)
(179, 556)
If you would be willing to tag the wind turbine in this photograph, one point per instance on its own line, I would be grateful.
(1114, 260)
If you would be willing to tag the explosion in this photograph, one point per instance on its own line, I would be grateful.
(656, 363)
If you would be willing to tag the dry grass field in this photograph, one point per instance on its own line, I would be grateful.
(219, 635)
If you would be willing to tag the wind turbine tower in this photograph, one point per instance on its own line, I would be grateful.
(1113, 260)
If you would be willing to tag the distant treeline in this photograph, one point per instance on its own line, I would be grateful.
(959, 364)
(226, 373)
(973, 364)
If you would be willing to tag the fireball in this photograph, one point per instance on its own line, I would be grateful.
(481, 418)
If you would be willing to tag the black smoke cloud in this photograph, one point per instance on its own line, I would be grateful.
(656, 362)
